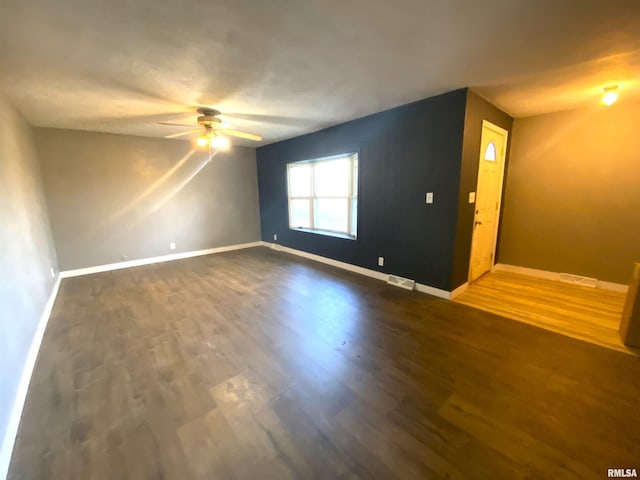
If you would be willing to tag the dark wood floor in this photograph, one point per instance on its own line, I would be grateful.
(257, 365)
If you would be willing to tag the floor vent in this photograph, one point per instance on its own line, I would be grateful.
(578, 280)
(401, 282)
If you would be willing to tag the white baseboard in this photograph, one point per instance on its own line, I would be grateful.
(534, 272)
(616, 287)
(149, 261)
(436, 292)
(328, 261)
(21, 395)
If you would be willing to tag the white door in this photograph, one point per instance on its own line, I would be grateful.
(493, 147)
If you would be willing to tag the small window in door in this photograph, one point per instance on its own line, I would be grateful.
(490, 152)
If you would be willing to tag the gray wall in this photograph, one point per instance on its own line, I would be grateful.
(26, 253)
(572, 199)
(107, 198)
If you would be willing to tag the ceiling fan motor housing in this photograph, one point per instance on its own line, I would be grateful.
(208, 120)
(208, 116)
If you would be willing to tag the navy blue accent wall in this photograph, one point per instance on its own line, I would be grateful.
(478, 109)
(404, 153)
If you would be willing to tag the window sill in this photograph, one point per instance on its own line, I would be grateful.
(326, 233)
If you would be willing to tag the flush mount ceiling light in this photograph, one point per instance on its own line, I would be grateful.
(610, 95)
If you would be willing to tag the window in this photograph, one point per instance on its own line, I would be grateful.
(490, 152)
(323, 194)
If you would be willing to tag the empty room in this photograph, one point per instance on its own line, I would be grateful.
(291, 240)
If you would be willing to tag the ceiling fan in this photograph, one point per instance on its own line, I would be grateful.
(215, 131)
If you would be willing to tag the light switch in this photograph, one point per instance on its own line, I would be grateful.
(472, 197)
(429, 197)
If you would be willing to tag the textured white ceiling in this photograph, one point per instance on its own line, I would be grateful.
(286, 67)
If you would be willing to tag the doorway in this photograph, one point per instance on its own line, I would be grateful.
(493, 149)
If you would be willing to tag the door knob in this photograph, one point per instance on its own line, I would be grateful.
(477, 223)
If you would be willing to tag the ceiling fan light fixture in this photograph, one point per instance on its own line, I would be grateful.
(220, 142)
(610, 95)
(202, 141)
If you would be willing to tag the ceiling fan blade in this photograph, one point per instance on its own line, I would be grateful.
(176, 124)
(237, 133)
(275, 119)
(175, 135)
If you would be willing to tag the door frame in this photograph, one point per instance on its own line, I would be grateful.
(492, 126)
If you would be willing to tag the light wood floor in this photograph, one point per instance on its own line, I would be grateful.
(589, 314)
(258, 365)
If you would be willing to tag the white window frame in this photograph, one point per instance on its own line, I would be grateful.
(351, 196)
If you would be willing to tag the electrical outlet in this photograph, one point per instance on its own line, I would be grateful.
(429, 197)
(275, 236)
(123, 257)
(472, 197)
(381, 261)
(172, 245)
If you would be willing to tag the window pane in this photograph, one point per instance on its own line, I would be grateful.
(331, 214)
(355, 176)
(300, 180)
(300, 214)
(490, 152)
(332, 178)
(354, 217)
